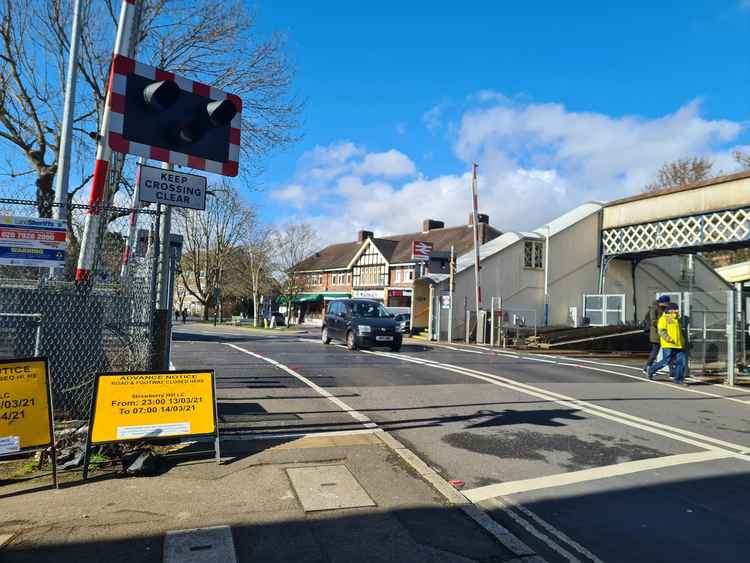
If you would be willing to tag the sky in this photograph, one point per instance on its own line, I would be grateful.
(559, 103)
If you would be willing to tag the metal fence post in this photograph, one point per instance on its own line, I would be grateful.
(731, 336)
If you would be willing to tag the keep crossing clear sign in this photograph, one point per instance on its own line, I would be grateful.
(171, 188)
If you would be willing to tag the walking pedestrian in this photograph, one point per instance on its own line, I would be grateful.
(672, 343)
(655, 310)
(184, 316)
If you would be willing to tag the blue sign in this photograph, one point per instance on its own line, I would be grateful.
(31, 241)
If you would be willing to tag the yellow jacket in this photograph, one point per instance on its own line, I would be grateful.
(670, 325)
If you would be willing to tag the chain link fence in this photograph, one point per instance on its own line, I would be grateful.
(104, 324)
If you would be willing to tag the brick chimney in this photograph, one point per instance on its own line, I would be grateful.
(481, 218)
(362, 236)
(430, 224)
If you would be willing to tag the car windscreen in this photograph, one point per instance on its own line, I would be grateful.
(402, 317)
(370, 311)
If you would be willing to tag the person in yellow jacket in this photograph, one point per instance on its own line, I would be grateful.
(672, 343)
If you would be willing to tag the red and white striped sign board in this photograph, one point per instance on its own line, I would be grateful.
(122, 67)
(421, 250)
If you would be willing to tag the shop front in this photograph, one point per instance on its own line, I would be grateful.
(399, 297)
(311, 307)
(374, 294)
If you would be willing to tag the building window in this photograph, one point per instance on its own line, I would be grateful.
(397, 275)
(409, 274)
(533, 254)
(605, 309)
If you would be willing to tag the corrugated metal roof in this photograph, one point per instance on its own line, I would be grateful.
(570, 218)
(510, 238)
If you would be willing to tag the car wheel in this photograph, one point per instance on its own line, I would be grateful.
(324, 336)
(351, 343)
(395, 348)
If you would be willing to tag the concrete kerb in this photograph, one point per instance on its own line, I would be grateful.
(455, 497)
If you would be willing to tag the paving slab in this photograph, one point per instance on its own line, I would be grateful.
(327, 487)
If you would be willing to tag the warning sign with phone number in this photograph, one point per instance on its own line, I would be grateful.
(132, 406)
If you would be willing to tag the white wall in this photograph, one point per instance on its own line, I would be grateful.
(573, 272)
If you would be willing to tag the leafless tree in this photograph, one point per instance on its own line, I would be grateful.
(212, 42)
(291, 245)
(211, 239)
(742, 158)
(679, 172)
(255, 268)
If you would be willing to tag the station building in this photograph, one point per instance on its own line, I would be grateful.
(604, 263)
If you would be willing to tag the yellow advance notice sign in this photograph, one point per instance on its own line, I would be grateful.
(24, 405)
(132, 406)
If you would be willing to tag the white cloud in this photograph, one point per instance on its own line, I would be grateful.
(389, 164)
(433, 118)
(603, 156)
(293, 194)
(537, 161)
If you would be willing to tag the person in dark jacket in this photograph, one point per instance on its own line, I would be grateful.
(655, 310)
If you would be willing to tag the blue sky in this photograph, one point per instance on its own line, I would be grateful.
(559, 102)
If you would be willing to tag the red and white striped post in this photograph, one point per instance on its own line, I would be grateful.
(134, 205)
(98, 194)
(477, 267)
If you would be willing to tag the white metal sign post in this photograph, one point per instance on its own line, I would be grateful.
(169, 187)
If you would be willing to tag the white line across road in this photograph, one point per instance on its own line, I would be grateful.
(579, 363)
(737, 451)
(480, 494)
(355, 414)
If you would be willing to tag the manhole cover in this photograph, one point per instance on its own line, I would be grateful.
(327, 487)
(200, 545)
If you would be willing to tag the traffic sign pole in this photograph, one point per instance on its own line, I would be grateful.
(89, 240)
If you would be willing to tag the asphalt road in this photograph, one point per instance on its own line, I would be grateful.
(585, 460)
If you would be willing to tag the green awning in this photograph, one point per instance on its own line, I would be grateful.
(307, 297)
(310, 297)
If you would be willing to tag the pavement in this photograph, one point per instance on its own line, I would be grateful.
(464, 453)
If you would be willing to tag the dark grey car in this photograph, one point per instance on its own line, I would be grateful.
(361, 323)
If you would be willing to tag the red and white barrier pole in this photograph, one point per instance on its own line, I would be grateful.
(131, 241)
(90, 241)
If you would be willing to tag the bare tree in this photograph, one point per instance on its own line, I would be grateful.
(291, 245)
(212, 42)
(742, 158)
(679, 172)
(257, 267)
(211, 239)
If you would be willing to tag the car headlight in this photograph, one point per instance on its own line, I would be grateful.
(364, 329)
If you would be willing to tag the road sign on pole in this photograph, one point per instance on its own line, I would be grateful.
(421, 250)
(170, 187)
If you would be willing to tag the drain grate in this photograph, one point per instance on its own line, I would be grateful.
(200, 545)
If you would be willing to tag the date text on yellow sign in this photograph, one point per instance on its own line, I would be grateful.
(132, 406)
(24, 405)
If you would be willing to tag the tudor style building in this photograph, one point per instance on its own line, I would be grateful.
(381, 268)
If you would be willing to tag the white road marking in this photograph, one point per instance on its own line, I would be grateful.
(480, 494)
(530, 356)
(355, 414)
(555, 532)
(498, 504)
(685, 436)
